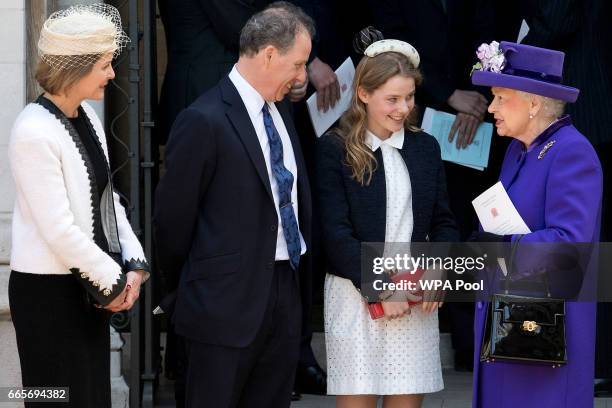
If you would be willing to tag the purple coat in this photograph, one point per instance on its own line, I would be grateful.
(557, 190)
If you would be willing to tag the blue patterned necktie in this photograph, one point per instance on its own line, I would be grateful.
(284, 180)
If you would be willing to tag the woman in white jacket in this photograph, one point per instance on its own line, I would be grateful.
(75, 258)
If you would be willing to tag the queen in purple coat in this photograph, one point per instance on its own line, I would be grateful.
(554, 179)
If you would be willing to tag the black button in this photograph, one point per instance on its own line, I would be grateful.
(273, 227)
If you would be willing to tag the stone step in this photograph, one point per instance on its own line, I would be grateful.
(318, 347)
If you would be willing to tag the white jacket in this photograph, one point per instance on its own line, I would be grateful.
(53, 217)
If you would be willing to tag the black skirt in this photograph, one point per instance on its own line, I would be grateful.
(63, 341)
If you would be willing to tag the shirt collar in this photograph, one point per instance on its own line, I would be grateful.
(395, 140)
(252, 100)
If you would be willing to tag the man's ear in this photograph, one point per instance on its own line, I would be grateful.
(269, 53)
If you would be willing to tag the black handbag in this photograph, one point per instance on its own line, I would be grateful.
(524, 328)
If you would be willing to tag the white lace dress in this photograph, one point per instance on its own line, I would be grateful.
(381, 357)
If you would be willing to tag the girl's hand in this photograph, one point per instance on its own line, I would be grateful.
(396, 306)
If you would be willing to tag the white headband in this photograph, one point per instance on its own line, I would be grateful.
(402, 47)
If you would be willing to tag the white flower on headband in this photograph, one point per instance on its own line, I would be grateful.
(491, 58)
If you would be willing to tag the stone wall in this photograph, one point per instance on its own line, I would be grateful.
(12, 89)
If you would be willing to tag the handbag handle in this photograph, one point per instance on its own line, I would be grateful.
(511, 265)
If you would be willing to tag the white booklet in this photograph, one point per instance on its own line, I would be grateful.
(497, 214)
(321, 121)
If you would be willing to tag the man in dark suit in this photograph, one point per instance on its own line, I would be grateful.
(233, 217)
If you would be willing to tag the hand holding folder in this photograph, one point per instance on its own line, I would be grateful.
(475, 155)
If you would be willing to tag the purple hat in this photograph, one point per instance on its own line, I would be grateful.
(522, 67)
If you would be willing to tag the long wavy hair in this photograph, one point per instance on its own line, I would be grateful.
(371, 73)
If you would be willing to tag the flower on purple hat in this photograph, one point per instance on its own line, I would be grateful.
(485, 51)
(491, 58)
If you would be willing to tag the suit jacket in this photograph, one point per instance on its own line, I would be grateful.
(202, 39)
(215, 218)
(352, 213)
(446, 34)
(578, 28)
(337, 23)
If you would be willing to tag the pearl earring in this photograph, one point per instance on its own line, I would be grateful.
(530, 116)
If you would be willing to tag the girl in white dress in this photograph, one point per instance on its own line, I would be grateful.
(380, 179)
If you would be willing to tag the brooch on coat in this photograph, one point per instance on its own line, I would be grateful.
(545, 148)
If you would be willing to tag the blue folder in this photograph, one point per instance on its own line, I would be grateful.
(476, 155)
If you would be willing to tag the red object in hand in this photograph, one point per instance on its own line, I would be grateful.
(376, 309)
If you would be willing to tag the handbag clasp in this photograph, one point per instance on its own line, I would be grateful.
(530, 326)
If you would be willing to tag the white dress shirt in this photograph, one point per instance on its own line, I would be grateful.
(254, 103)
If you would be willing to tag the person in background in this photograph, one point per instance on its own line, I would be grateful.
(202, 43)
